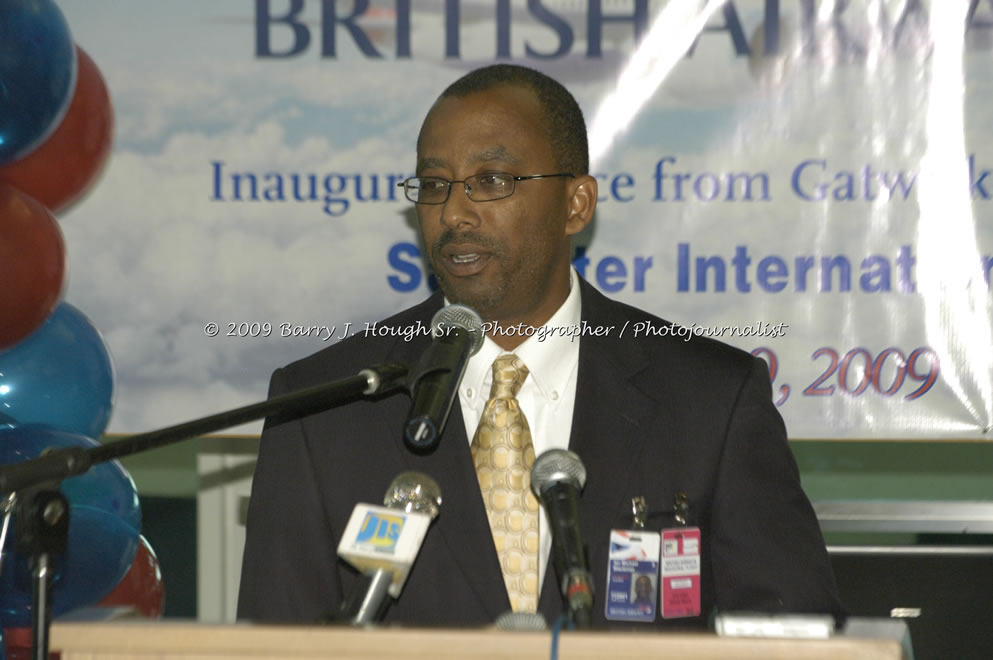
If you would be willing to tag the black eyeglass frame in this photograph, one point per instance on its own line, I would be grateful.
(468, 189)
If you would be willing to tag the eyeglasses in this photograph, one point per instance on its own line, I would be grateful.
(484, 187)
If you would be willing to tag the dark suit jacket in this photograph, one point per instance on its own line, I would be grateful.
(653, 416)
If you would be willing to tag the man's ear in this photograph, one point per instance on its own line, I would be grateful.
(582, 203)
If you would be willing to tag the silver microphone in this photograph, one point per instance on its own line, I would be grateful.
(557, 478)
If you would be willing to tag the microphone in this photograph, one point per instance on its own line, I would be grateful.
(557, 477)
(521, 622)
(458, 334)
(383, 543)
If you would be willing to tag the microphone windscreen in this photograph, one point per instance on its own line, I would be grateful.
(414, 491)
(557, 466)
(521, 622)
(459, 316)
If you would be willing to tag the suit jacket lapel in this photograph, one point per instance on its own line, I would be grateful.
(612, 414)
(462, 523)
(610, 423)
(467, 529)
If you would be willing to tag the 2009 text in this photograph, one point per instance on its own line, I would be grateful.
(859, 371)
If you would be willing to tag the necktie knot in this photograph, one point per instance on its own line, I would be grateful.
(509, 373)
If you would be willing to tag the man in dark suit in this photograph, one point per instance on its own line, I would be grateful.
(502, 184)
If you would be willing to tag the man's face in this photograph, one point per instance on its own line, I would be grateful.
(508, 258)
(643, 588)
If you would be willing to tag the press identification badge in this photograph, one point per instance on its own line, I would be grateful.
(632, 575)
(680, 572)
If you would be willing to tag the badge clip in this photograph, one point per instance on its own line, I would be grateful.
(681, 509)
(639, 510)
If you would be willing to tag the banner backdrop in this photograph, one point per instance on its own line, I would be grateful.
(807, 180)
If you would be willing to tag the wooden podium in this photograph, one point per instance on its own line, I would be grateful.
(192, 641)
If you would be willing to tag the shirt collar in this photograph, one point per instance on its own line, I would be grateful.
(550, 357)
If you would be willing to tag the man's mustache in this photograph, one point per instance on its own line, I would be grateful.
(457, 237)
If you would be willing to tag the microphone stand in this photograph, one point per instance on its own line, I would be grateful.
(367, 602)
(42, 510)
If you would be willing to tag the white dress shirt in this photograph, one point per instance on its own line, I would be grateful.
(547, 396)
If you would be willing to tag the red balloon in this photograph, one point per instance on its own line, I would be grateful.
(59, 171)
(32, 265)
(141, 587)
(18, 643)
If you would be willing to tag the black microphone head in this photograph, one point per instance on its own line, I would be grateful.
(457, 333)
(414, 491)
(557, 466)
(459, 316)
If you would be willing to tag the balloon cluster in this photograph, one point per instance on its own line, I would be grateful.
(56, 377)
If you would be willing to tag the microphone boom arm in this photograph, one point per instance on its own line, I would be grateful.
(64, 463)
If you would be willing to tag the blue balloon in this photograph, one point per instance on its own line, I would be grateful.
(104, 526)
(60, 376)
(37, 74)
(99, 553)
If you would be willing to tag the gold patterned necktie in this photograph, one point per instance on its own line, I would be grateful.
(503, 455)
